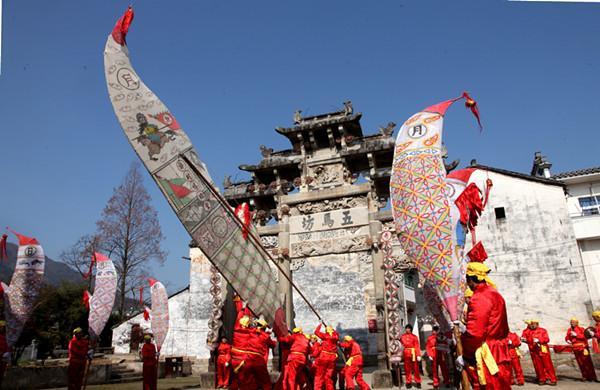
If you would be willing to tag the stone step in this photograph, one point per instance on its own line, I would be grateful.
(125, 375)
(126, 380)
(121, 370)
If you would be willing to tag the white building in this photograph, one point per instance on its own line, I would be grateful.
(533, 253)
(583, 202)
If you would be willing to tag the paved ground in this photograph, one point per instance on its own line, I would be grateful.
(565, 382)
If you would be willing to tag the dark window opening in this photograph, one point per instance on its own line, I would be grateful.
(500, 212)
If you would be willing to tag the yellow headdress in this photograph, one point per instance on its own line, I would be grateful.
(527, 321)
(596, 315)
(147, 337)
(2, 324)
(574, 319)
(77, 330)
(468, 293)
(534, 321)
(347, 338)
(481, 271)
(329, 330)
(262, 323)
(245, 321)
(297, 330)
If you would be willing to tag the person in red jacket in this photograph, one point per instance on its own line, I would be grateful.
(223, 364)
(437, 350)
(596, 331)
(79, 355)
(514, 342)
(576, 337)
(484, 340)
(354, 364)
(411, 356)
(247, 358)
(325, 362)
(149, 358)
(537, 340)
(315, 352)
(4, 351)
(296, 362)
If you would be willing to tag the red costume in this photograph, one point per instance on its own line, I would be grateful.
(540, 354)
(438, 350)
(411, 356)
(78, 357)
(223, 365)
(295, 367)
(596, 336)
(325, 362)
(150, 366)
(354, 365)
(248, 361)
(576, 337)
(485, 337)
(515, 358)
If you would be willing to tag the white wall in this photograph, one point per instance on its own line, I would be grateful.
(533, 254)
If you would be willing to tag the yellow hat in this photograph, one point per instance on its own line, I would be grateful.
(534, 321)
(468, 293)
(297, 330)
(574, 319)
(329, 330)
(2, 324)
(596, 314)
(481, 271)
(245, 321)
(77, 330)
(527, 321)
(314, 337)
(347, 338)
(147, 337)
(262, 323)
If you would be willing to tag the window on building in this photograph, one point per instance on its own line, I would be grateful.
(590, 205)
(500, 212)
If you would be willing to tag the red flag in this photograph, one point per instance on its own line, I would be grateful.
(122, 26)
(477, 253)
(86, 299)
(470, 205)
(146, 314)
(472, 105)
(243, 213)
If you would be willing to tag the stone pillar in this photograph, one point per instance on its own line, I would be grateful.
(285, 287)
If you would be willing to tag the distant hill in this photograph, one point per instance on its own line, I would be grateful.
(55, 272)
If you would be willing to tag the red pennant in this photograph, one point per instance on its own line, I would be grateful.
(242, 211)
(477, 253)
(167, 119)
(146, 314)
(472, 105)
(470, 205)
(24, 240)
(122, 27)
(3, 254)
(86, 299)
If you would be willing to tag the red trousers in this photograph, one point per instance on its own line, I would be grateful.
(294, 372)
(544, 369)
(500, 381)
(515, 363)
(585, 364)
(150, 375)
(354, 371)
(223, 373)
(324, 371)
(411, 368)
(440, 361)
(252, 372)
(75, 374)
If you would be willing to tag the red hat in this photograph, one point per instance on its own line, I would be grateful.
(152, 281)
(477, 253)
(100, 257)
(24, 240)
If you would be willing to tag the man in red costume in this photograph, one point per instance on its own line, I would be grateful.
(149, 358)
(514, 342)
(537, 340)
(596, 331)
(248, 357)
(484, 340)
(411, 356)
(223, 364)
(325, 362)
(4, 351)
(354, 364)
(295, 368)
(576, 337)
(315, 352)
(79, 355)
(437, 349)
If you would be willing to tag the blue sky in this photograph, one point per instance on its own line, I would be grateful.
(231, 71)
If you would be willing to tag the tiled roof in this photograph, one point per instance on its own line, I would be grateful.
(579, 172)
(519, 175)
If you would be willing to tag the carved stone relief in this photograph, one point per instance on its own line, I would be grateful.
(322, 247)
(328, 205)
(269, 242)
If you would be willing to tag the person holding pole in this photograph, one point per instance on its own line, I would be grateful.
(484, 340)
(80, 355)
(576, 337)
(537, 340)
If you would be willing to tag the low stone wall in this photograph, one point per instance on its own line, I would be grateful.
(41, 377)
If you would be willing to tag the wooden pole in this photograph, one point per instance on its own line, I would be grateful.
(88, 363)
(464, 380)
